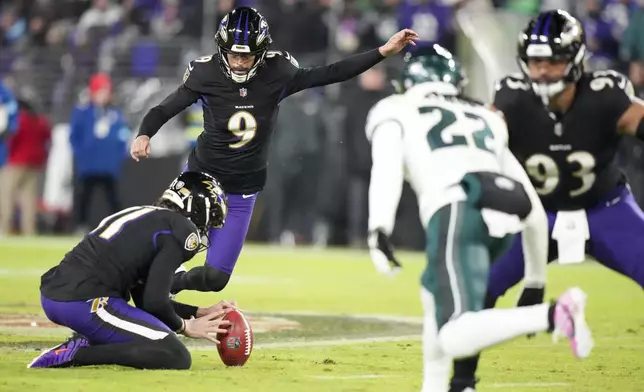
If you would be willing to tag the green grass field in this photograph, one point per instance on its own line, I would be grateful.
(314, 339)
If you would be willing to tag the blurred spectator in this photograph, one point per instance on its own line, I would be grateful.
(383, 18)
(618, 12)
(99, 136)
(8, 119)
(633, 47)
(38, 27)
(193, 117)
(358, 101)
(102, 15)
(28, 149)
(13, 26)
(431, 19)
(294, 170)
(134, 16)
(602, 36)
(8, 125)
(310, 22)
(167, 24)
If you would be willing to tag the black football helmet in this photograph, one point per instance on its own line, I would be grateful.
(201, 199)
(243, 31)
(554, 35)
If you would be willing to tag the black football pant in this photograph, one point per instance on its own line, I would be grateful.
(86, 186)
(167, 353)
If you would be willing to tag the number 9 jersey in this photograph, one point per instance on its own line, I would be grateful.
(239, 119)
(569, 157)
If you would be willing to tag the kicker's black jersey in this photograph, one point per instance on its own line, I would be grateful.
(142, 244)
(239, 118)
(570, 157)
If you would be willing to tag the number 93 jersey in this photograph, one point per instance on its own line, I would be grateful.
(443, 139)
(569, 157)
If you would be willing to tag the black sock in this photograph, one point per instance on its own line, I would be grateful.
(464, 373)
(489, 302)
(167, 353)
(465, 369)
(551, 316)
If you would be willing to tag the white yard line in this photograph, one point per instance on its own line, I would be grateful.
(22, 271)
(380, 317)
(528, 385)
(354, 377)
(495, 385)
(321, 343)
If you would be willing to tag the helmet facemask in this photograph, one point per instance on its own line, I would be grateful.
(550, 88)
(260, 59)
(562, 40)
(243, 31)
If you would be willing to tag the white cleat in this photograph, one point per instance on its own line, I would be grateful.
(570, 321)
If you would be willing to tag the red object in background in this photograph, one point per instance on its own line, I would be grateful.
(100, 81)
(29, 145)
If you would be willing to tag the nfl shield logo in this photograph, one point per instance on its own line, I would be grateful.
(243, 92)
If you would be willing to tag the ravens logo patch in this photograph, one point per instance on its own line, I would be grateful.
(192, 242)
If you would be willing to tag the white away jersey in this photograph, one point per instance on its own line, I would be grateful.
(443, 138)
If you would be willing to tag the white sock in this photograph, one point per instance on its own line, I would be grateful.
(436, 365)
(472, 332)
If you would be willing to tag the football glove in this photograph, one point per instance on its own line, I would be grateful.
(382, 253)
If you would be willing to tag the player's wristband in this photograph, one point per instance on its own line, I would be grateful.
(182, 328)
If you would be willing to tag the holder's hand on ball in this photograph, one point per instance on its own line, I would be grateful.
(225, 306)
(203, 327)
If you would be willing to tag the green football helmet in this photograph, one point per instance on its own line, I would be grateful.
(430, 64)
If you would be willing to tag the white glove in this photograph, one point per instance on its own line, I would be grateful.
(382, 253)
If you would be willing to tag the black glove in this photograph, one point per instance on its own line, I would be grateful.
(382, 253)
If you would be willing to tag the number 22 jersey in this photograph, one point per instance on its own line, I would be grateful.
(443, 139)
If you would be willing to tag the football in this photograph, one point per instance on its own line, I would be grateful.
(236, 345)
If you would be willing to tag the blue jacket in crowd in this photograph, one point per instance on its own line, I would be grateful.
(99, 138)
(8, 119)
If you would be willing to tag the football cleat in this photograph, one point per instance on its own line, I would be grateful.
(570, 321)
(61, 355)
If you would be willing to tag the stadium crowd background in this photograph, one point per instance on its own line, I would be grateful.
(54, 54)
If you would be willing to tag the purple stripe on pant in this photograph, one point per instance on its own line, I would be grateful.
(616, 241)
(105, 320)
